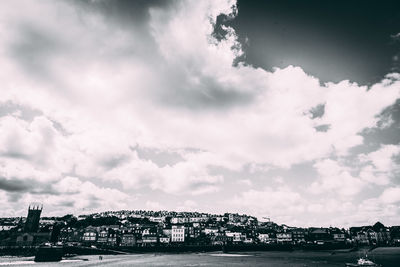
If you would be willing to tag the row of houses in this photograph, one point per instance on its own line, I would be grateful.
(145, 235)
(142, 228)
(124, 236)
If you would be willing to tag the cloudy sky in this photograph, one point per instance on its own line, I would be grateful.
(285, 109)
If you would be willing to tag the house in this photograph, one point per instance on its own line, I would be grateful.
(320, 236)
(165, 239)
(167, 232)
(30, 239)
(7, 226)
(70, 235)
(128, 240)
(338, 235)
(362, 238)
(284, 237)
(25, 239)
(149, 231)
(157, 219)
(248, 240)
(113, 238)
(149, 240)
(382, 233)
(219, 240)
(395, 234)
(267, 238)
(89, 235)
(178, 233)
(102, 237)
(298, 235)
(211, 231)
(372, 236)
(179, 220)
(236, 237)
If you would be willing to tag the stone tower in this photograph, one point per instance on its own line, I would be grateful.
(32, 221)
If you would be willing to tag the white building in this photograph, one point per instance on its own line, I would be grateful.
(178, 233)
(236, 236)
(6, 227)
(210, 231)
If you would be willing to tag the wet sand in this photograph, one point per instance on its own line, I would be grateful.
(388, 257)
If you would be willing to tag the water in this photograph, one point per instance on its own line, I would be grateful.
(388, 257)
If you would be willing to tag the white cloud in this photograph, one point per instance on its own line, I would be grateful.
(391, 195)
(380, 164)
(154, 205)
(382, 159)
(335, 179)
(99, 97)
(370, 175)
(245, 182)
(275, 203)
(188, 205)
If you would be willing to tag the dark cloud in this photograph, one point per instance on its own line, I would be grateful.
(13, 185)
(161, 158)
(388, 134)
(208, 94)
(16, 185)
(66, 203)
(16, 155)
(114, 161)
(130, 16)
(386, 131)
(34, 48)
(317, 111)
(24, 112)
(124, 12)
(36, 45)
(323, 128)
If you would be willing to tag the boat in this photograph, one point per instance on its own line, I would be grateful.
(364, 262)
(49, 252)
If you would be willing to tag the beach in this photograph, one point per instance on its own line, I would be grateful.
(387, 257)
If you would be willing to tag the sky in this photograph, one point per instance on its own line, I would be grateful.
(282, 109)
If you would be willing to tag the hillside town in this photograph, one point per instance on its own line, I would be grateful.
(144, 229)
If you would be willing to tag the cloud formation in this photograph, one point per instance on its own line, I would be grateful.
(124, 106)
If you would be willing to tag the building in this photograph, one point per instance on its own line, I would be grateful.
(211, 231)
(164, 239)
(362, 238)
(298, 236)
(267, 238)
(320, 236)
(89, 235)
(7, 226)
(102, 237)
(112, 238)
(178, 233)
(32, 221)
(31, 239)
(70, 235)
(149, 240)
(284, 237)
(235, 236)
(25, 239)
(128, 239)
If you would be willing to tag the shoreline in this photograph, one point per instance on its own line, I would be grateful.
(82, 250)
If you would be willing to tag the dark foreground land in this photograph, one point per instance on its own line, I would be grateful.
(87, 250)
(387, 257)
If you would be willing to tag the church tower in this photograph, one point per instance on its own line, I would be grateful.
(32, 221)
